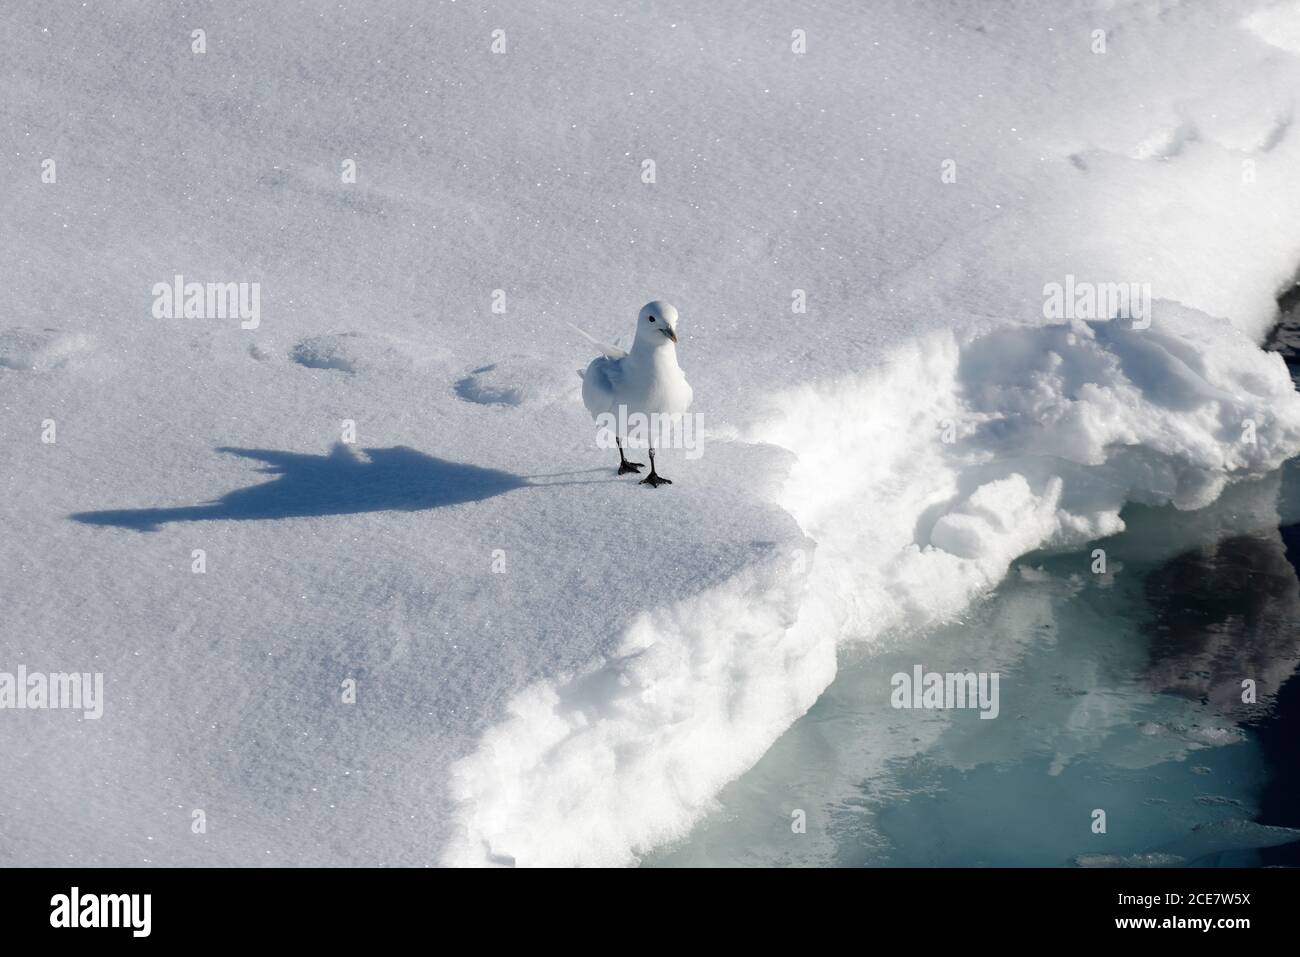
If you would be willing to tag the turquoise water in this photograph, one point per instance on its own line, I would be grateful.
(1119, 692)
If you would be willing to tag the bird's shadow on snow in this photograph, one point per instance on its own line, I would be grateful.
(338, 483)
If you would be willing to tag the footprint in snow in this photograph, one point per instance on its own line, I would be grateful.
(40, 350)
(357, 352)
(515, 381)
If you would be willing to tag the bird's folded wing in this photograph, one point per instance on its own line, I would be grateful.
(611, 352)
(606, 374)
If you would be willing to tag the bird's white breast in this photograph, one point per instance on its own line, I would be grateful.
(645, 382)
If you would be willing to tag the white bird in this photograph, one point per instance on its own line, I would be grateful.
(646, 381)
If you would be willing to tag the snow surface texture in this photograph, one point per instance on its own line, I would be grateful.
(635, 650)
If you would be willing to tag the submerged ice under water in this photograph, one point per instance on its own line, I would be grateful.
(1119, 691)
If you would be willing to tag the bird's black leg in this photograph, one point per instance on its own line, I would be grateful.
(624, 466)
(654, 479)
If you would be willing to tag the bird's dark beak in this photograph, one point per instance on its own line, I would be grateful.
(670, 334)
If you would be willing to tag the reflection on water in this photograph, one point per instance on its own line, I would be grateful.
(1223, 611)
(1120, 692)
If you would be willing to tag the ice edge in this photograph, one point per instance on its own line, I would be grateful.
(920, 484)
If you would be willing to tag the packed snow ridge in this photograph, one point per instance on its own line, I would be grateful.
(1056, 428)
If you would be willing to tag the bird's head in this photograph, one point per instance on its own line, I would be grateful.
(657, 324)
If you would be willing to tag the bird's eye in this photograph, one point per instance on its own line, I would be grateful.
(652, 318)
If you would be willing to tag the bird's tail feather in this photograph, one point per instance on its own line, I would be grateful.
(612, 352)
